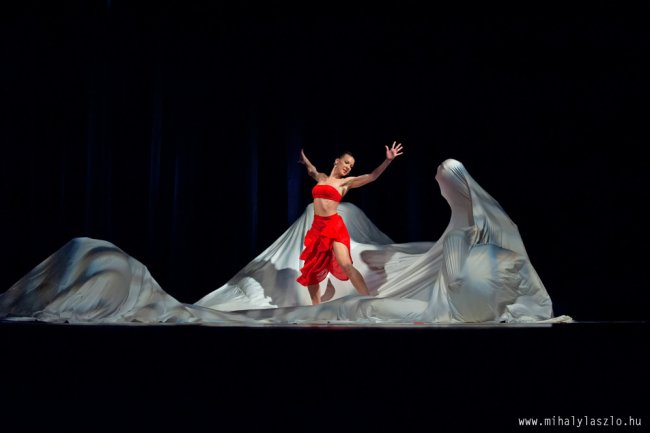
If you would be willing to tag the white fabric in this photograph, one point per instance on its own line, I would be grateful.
(478, 271)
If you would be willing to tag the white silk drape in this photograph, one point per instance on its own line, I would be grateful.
(478, 271)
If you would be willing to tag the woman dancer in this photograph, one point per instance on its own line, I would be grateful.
(327, 243)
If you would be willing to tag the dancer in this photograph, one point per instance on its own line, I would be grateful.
(327, 243)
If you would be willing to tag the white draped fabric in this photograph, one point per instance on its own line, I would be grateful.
(478, 271)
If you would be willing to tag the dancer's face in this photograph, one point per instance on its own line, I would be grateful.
(344, 164)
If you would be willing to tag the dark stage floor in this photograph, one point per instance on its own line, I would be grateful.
(324, 378)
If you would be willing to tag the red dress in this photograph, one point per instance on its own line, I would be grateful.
(318, 253)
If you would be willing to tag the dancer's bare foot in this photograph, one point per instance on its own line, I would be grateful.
(330, 291)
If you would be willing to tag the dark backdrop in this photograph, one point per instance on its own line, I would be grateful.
(173, 131)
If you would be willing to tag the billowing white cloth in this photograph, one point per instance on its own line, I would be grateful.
(91, 280)
(478, 271)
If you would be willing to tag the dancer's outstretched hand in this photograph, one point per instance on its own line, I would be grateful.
(303, 159)
(394, 151)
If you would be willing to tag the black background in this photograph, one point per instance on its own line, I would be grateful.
(173, 129)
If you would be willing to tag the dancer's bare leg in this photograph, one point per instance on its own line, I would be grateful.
(314, 293)
(343, 258)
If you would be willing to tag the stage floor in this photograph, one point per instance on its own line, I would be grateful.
(334, 378)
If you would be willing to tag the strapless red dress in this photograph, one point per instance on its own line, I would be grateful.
(325, 230)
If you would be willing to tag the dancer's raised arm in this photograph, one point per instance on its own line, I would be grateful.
(311, 169)
(391, 153)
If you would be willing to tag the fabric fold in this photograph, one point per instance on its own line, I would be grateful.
(477, 271)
